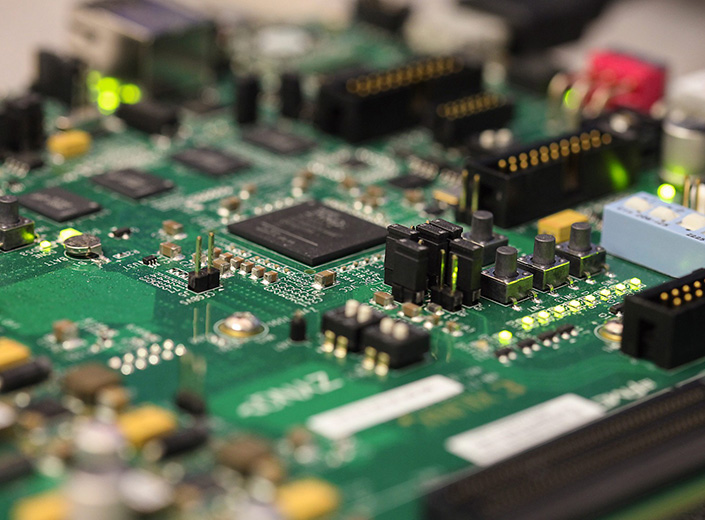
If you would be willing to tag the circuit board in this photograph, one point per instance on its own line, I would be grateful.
(135, 311)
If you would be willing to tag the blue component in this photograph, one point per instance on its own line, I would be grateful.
(643, 229)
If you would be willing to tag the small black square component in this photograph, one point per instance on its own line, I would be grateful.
(133, 183)
(276, 141)
(312, 233)
(210, 161)
(58, 204)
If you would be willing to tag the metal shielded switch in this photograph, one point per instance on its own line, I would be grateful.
(505, 282)
(15, 230)
(585, 257)
(549, 270)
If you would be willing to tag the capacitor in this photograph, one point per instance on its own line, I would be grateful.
(247, 92)
(27, 374)
(181, 441)
(83, 246)
(290, 95)
(683, 150)
(297, 327)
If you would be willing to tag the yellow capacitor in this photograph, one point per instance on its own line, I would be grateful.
(146, 423)
(307, 499)
(71, 143)
(46, 506)
(12, 353)
(559, 224)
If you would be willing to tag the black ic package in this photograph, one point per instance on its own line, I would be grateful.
(133, 183)
(276, 141)
(410, 181)
(210, 161)
(312, 233)
(58, 204)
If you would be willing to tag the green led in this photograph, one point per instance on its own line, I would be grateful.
(527, 322)
(108, 102)
(574, 304)
(543, 315)
(559, 309)
(130, 94)
(666, 192)
(505, 337)
(635, 281)
(590, 299)
(571, 99)
(605, 293)
(620, 287)
(108, 85)
(93, 78)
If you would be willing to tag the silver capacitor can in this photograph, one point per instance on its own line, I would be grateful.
(683, 149)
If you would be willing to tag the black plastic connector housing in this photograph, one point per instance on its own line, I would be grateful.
(531, 182)
(150, 117)
(367, 106)
(469, 276)
(204, 280)
(350, 327)
(60, 77)
(378, 13)
(589, 472)
(454, 121)
(395, 232)
(405, 344)
(666, 324)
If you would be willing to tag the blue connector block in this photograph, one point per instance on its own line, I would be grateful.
(643, 229)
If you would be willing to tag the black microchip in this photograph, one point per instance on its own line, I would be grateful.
(276, 141)
(312, 233)
(410, 181)
(150, 260)
(210, 161)
(58, 204)
(133, 183)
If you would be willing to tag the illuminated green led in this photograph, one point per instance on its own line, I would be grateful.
(108, 102)
(559, 309)
(543, 315)
(45, 244)
(620, 287)
(571, 99)
(108, 85)
(605, 293)
(574, 304)
(527, 321)
(505, 337)
(635, 281)
(618, 173)
(130, 94)
(590, 298)
(666, 192)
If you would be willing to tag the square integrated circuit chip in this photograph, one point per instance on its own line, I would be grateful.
(133, 183)
(210, 161)
(276, 141)
(58, 204)
(312, 232)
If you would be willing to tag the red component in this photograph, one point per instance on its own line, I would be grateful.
(635, 82)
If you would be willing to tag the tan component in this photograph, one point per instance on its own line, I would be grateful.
(71, 143)
(448, 198)
(383, 298)
(243, 453)
(12, 353)
(236, 262)
(217, 251)
(307, 499)
(324, 278)
(172, 227)
(221, 265)
(86, 381)
(45, 506)
(414, 196)
(410, 310)
(230, 203)
(271, 276)
(258, 271)
(64, 330)
(169, 249)
(143, 424)
(114, 397)
(247, 267)
(559, 224)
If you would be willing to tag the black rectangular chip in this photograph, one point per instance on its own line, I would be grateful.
(210, 161)
(132, 183)
(282, 143)
(58, 204)
(312, 233)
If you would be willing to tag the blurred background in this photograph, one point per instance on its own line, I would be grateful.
(668, 30)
